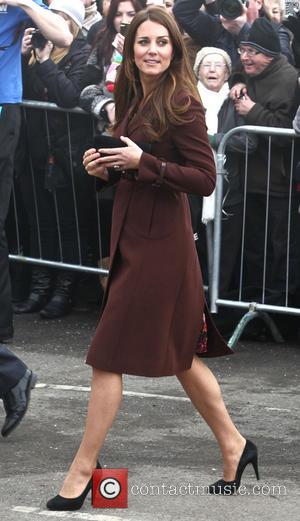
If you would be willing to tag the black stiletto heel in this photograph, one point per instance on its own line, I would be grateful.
(255, 466)
(75, 503)
(249, 455)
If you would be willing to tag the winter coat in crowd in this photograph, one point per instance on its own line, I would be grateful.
(275, 93)
(207, 30)
(95, 94)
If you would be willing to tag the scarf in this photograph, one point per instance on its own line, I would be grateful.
(212, 102)
(92, 16)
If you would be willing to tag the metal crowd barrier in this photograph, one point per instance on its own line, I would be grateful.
(258, 308)
(19, 256)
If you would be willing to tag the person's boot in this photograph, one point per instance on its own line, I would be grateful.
(61, 301)
(39, 291)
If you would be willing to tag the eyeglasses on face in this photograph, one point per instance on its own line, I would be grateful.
(250, 52)
(217, 66)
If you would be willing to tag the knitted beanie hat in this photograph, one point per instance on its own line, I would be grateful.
(73, 8)
(263, 37)
(205, 51)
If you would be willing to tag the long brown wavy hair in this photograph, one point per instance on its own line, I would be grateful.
(162, 103)
(108, 32)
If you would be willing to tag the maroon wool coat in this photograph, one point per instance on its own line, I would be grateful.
(153, 307)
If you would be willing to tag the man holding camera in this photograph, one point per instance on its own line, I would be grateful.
(223, 24)
(268, 97)
(16, 380)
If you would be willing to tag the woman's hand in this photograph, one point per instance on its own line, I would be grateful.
(44, 54)
(118, 43)
(124, 158)
(91, 164)
(26, 40)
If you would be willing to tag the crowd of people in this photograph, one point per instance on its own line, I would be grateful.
(244, 56)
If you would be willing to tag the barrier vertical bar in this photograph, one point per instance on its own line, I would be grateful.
(74, 190)
(289, 224)
(220, 158)
(267, 220)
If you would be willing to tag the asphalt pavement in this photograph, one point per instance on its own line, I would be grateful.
(168, 449)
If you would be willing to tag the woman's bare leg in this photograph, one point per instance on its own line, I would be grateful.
(105, 399)
(204, 391)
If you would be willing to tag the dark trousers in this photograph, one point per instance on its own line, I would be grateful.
(230, 248)
(12, 369)
(276, 258)
(9, 133)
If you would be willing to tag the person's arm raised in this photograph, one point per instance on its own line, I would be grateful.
(199, 25)
(53, 26)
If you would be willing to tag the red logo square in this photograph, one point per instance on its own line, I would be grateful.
(110, 488)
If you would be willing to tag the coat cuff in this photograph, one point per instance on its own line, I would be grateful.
(151, 169)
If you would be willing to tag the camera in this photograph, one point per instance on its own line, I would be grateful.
(38, 41)
(124, 28)
(231, 9)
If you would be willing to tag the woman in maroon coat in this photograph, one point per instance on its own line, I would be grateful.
(154, 321)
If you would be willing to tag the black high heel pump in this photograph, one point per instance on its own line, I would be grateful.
(249, 455)
(75, 503)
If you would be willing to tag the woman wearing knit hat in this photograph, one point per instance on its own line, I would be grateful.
(54, 74)
(213, 68)
(217, 57)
